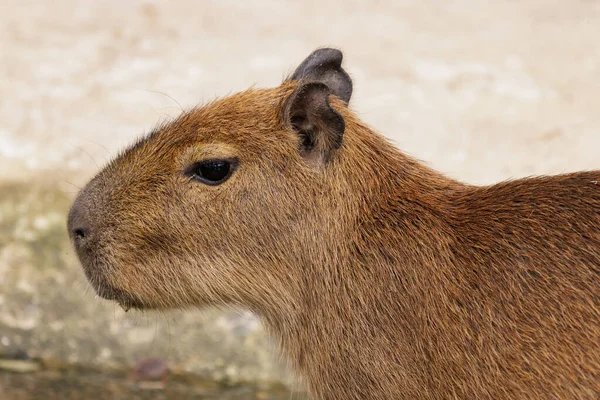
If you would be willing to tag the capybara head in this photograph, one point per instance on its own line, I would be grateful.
(221, 204)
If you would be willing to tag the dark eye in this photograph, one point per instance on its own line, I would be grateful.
(211, 172)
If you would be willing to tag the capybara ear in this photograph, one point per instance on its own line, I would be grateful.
(320, 126)
(325, 66)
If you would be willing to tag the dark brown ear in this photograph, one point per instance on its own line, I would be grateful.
(321, 128)
(307, 110)
(325, 66)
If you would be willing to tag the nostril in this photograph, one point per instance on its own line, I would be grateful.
(79, 233)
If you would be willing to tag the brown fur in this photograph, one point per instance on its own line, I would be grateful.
(381, 278)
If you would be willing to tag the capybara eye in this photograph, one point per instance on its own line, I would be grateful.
(211, 172)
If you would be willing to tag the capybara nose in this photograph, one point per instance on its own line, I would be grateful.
(78, 225)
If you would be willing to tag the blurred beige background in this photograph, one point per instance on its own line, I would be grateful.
(481, 90)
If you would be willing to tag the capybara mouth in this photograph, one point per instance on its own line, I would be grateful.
(124, 299)
(96, 273)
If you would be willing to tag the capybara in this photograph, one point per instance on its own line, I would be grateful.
(379, 277)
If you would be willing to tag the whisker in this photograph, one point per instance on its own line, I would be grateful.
(89, 155)
(99, 145)
(166, 95)
(71, 183)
